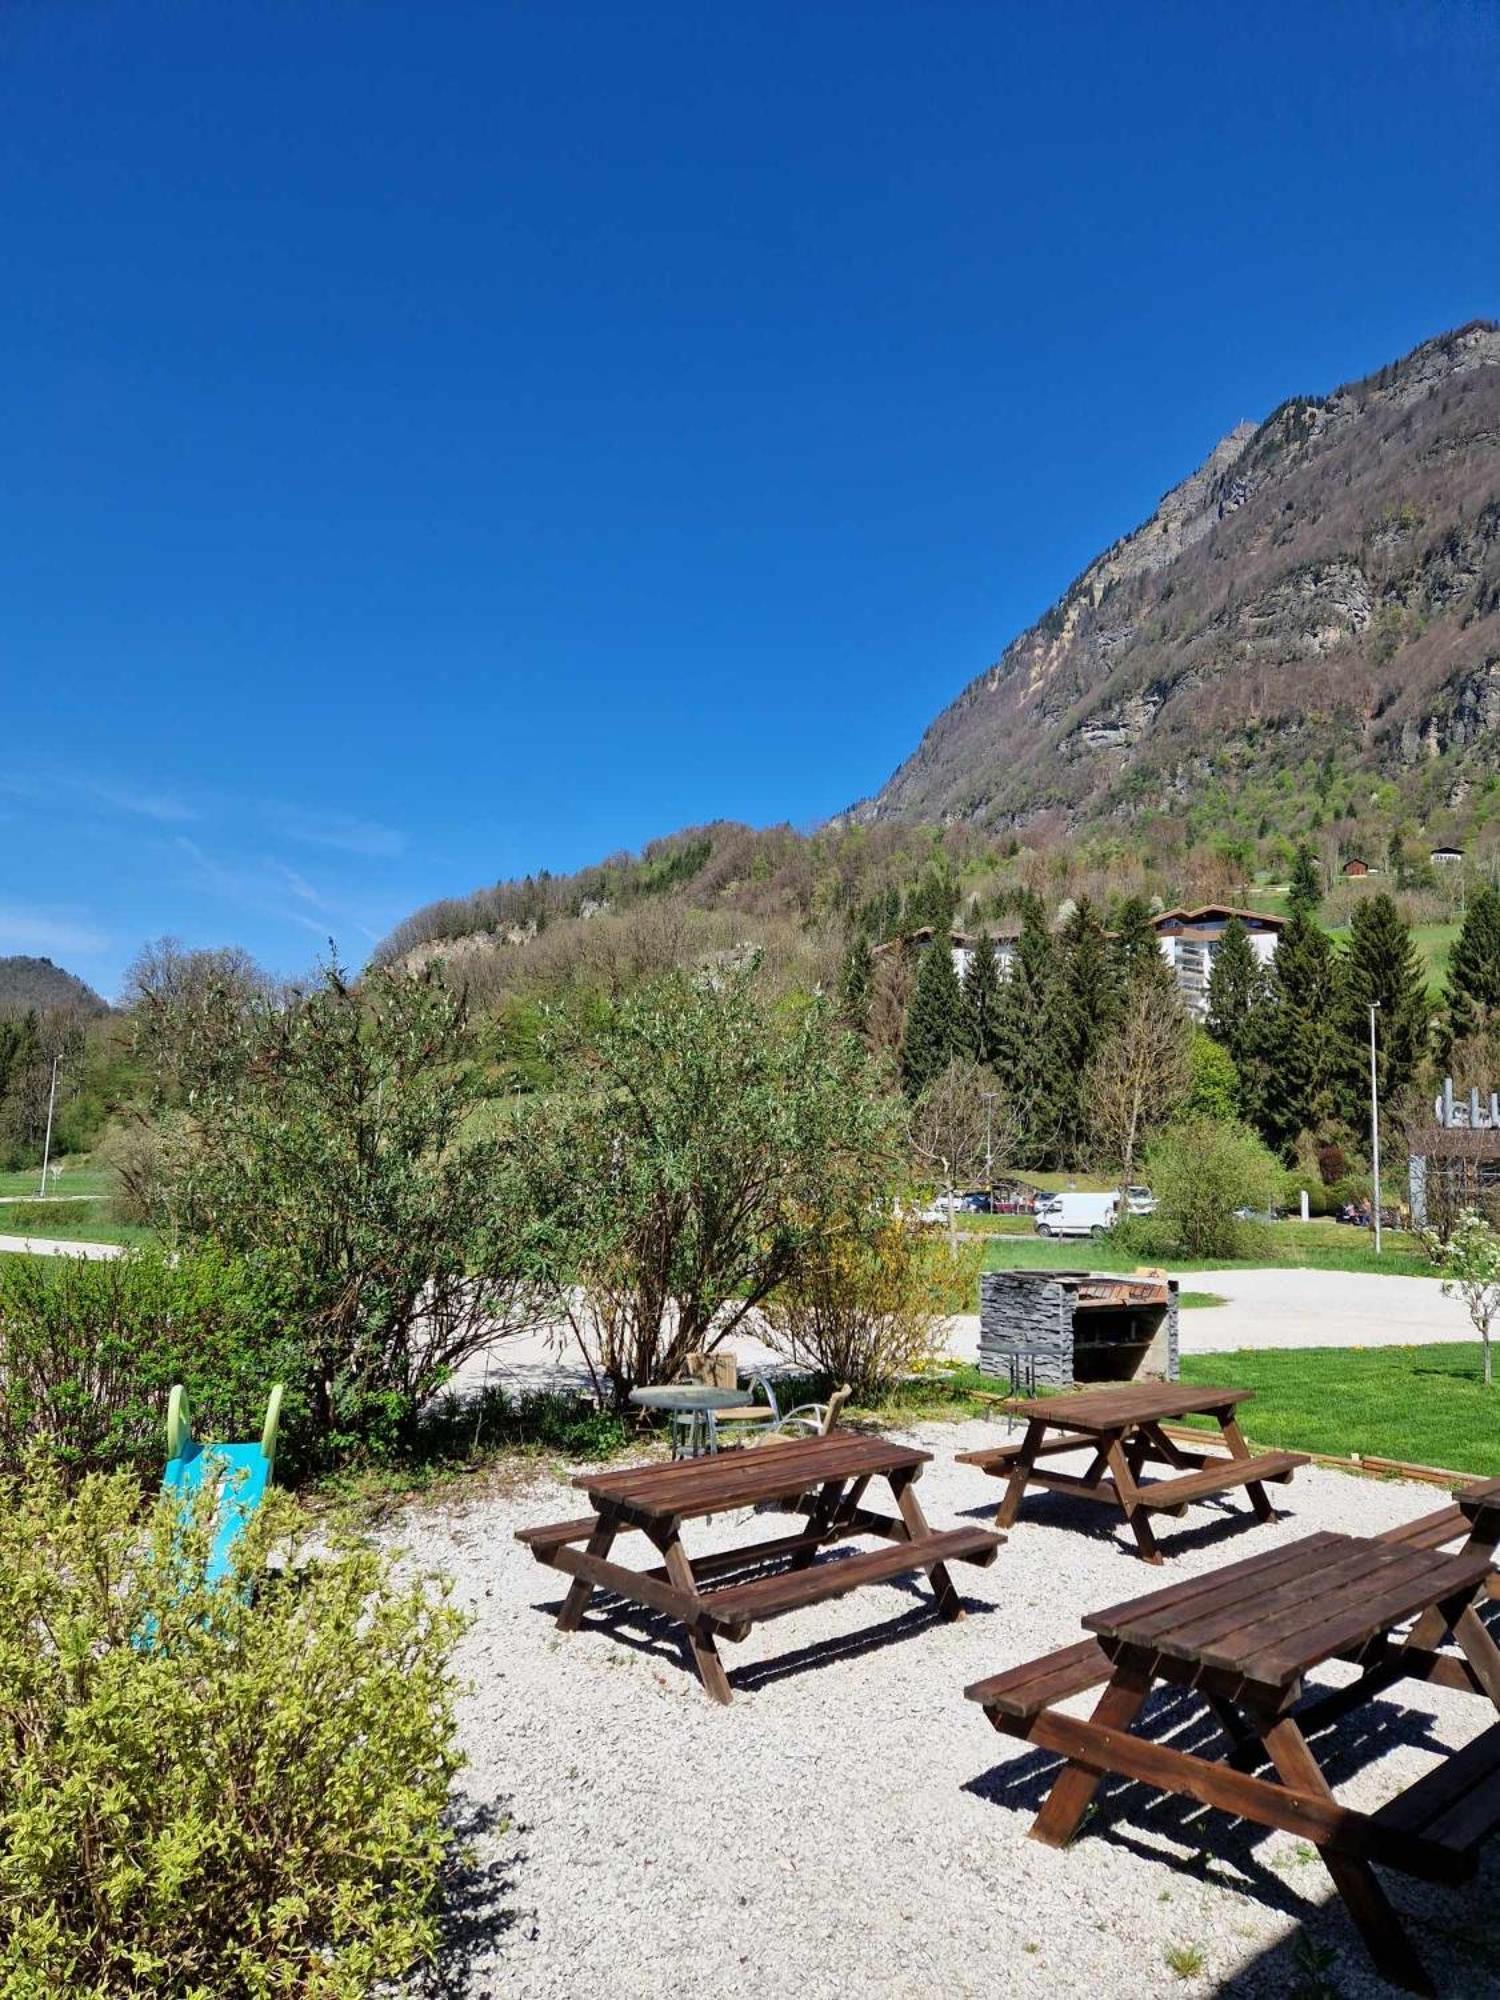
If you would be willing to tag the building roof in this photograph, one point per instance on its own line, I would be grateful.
(1217, 913)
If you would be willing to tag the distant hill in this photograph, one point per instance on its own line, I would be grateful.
(38, 983)
(1312, 613)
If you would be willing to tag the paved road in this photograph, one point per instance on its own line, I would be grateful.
(1319, 1309)
(54, 1246)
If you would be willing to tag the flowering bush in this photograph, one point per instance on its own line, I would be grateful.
(209, 1790)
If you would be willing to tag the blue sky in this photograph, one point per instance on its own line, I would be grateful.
(445, 441)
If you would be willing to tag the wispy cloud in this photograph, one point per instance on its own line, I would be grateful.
(340, 831)
(160, 806)
(44, 933)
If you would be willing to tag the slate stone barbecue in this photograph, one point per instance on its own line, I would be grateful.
(1052, 1329)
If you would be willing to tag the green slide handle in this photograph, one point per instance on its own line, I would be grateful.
(179, 1429)
(272, 1424)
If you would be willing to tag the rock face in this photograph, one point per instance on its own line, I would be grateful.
(1326, 581)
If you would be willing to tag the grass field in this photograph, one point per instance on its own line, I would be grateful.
(1426, 1405)
(72, 1180)
(88, 1221)
(1311, 1246)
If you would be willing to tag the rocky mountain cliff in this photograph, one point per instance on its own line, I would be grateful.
(1323, 592)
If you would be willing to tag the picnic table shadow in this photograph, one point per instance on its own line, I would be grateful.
(1209, 1845)
(1107, 1526)
(660, 1636)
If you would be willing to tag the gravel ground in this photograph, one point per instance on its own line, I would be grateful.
(851, 1825)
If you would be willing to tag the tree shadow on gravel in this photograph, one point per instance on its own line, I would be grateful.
(1197, 1843)
(476, 1913)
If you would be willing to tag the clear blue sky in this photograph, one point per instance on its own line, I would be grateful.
(441, 441)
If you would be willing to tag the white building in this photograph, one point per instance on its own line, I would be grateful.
(1190, 938)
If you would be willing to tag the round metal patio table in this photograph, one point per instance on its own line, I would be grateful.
(697, 1402)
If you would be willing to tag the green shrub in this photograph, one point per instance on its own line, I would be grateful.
(89, 1349)
(1201, 1170)
(869, 1308)
(246, 1803)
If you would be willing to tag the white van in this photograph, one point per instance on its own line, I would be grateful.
(1077, 1214)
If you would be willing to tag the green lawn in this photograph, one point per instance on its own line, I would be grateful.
(1426, 1405)
(87, 1221)
(1313, 1246)
(72, 1180)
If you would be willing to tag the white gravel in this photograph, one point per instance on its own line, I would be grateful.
(851, 1825)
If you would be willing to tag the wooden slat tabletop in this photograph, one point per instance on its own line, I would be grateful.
(695, 1486)
(1481, 1498)
(1123, 1404)
(1271, 1618)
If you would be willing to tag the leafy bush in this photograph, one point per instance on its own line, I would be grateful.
(88, 1351)
(1203, 1169)
(868, 1309)
(702, 1146)
(247, 1803)
(325, 1132)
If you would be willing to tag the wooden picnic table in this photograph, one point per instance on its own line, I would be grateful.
(1123, 1423)
(823, 1478)
(1244, 1638)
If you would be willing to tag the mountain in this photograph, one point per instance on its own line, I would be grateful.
(27, 983)
(1313, 614)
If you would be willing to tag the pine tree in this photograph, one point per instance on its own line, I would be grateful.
(1233, 987)
(1305, 891)
(1381, 965)
(855, 981)
(1029, 1060)
(982, 999)
(1473, 996)
(1091, 997)
(1302, 1065)
(1137, 949)
(936, 1024)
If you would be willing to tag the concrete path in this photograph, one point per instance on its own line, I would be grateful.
(55, 1246)
(1319, 1309)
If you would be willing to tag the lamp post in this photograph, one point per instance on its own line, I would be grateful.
(989, 1141)
(1375, 1124)
(51, 1103)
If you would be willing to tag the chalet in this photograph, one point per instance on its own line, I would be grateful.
(960, 943)
(1446, 857)
(1354, 866)
(1190, 938)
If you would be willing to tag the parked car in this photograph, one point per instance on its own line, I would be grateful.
(1076, 1214)
(1139, 1201)
(977, 1203)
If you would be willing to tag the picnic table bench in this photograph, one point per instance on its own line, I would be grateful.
(1244, 1638)
(823, 1478)
(1123, 1423)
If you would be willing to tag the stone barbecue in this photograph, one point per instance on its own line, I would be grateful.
(1050, 1329)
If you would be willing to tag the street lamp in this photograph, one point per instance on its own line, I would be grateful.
(51, 1103)
(1375, 1124)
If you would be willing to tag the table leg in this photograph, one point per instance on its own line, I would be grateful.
(700, 1636)
(1377, 1923)
(820, 1518)
(1234, 1437)
(904, 1487)
(1480, 1650)
(1020, 1474)
(581, 1590)
(1125, 1486)
(1075, 1785)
